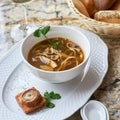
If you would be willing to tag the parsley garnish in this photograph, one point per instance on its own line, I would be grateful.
(55, 44)
(43, 31)
(49, 96)
(49, 104)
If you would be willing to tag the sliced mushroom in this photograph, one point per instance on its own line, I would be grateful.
(51, 53)
(48, 61)
(48, 51)
(31, 97)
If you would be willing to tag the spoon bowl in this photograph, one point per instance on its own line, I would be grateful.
(94, 110)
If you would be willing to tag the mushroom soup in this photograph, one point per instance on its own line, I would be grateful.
(56, 54)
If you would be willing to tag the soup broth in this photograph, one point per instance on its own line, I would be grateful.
(56, 54)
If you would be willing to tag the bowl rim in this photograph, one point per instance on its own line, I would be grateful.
(54, 72)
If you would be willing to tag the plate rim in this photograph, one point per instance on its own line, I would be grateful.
(84, 31)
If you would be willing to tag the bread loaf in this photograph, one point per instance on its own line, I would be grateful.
(80, 7)
(110, 16)
(104, 4)
(90, 6)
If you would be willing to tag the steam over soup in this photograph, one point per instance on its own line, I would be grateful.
(55, 54)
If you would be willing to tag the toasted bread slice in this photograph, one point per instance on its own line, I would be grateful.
(29, 109)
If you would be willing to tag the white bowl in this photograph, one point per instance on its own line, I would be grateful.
(69, 32)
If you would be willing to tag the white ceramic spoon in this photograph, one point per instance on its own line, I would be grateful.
(94, 110)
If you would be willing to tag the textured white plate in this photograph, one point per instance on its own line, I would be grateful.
(15, 77)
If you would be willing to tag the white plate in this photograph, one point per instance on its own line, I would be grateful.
(15, 77)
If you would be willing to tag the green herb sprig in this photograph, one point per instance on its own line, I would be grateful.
(43, 31)
(55, 44)
(49, 96)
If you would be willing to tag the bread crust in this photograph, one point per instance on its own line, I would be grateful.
(90, 6)
(81, 7)
(104, 4)
(28, 109)
(116, 5)
(109, 16)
